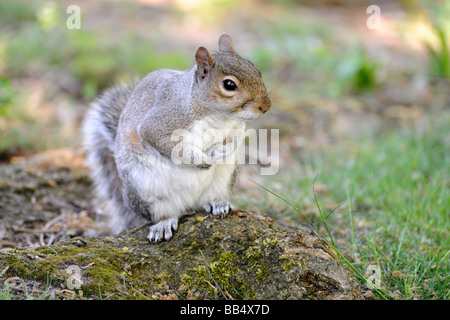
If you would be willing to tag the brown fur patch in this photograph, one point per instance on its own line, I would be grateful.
(132, 138)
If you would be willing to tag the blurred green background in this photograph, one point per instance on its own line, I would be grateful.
(366, 111)
(315, 54)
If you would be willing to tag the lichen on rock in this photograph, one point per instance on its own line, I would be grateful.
(243, 256)
(240, 257)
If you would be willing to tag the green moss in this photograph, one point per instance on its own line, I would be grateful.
(287, 262)
(244, 263)
(257, 263)
(186, 280)
(215, 240)
(218, 276)
(16, 267)
(40, 269)
(162, 281)
(104, 276)
(224, 269)
(253, 255)
(262, 272)
(272, 242)
(107, 271)
(216, 236)
(103, 266)
(194, 246)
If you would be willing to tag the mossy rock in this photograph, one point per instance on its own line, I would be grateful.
(243, 256)
(240, 257)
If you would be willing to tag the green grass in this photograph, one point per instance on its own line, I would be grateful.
(94, 59)
(5, 293)
(439, 55)
(40, 47)
(392, 194)
(317, 63)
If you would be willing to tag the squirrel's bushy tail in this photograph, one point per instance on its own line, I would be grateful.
(99, 134)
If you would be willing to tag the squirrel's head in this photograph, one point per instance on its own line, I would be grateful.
(229, 83)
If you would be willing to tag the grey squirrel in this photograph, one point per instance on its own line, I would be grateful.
(130, 145)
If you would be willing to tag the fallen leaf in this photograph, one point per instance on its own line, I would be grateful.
(368, 294)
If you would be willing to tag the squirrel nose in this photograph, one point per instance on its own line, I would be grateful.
(265, 105)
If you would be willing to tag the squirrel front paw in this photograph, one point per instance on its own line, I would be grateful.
(218, 208)
(163, 230)
(219, 152)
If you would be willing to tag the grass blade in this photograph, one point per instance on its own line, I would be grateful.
(342, 259)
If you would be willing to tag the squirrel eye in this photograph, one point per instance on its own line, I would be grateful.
(229, 85)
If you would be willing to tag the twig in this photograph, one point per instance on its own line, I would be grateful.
(52, 249)
(54, 220)
(64, 205)
(8, 244)
(207, 269)
(3, 271)
(89, 265)
(50, 241)
(229, 295)
(27, 230)
(70, 206)
(41, 239)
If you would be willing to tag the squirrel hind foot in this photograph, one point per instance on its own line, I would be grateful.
(218, 208)
(163, 230)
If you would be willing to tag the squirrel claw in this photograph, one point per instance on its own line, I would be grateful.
(162, 230)
(218, 208)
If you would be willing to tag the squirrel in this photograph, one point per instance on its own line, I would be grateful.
(130, 145)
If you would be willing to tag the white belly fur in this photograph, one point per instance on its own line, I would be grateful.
(175, 189)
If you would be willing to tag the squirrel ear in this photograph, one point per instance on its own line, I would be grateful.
(226, 43)
(204, 62)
